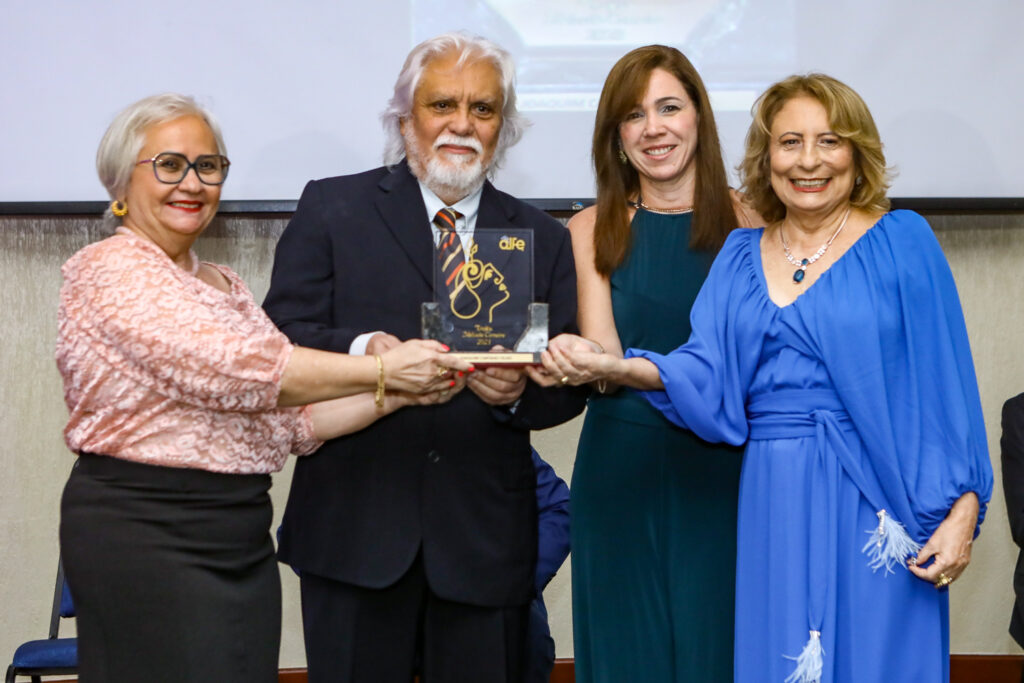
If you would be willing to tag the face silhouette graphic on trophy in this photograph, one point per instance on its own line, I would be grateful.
(483, 297)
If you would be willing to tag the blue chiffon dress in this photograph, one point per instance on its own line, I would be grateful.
(861, 411)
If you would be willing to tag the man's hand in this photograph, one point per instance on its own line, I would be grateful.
(382, 342)
(497, 386)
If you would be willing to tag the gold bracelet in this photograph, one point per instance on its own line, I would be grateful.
(378, 396)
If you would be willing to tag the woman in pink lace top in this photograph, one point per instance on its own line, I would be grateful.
(183, 398)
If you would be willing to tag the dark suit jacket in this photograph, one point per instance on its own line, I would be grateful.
(456, 479)
(1012, 446)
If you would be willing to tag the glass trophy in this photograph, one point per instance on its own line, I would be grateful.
(486, 300)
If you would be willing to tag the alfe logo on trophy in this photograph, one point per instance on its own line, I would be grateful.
(511, 244)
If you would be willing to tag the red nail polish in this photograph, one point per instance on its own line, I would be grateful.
(461, 373)
(452, 383)
(472, 368)
(445, 347)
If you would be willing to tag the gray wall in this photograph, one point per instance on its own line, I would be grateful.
(986, 253)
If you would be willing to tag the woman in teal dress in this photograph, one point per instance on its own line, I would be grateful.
(653, 506)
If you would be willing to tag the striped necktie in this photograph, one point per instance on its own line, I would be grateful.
(449, 252)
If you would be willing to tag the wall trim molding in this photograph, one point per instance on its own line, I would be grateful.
(962, 669)
(985, 668)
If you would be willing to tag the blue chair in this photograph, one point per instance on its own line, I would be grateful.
(53, 656)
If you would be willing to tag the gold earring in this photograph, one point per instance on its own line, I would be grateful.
(118, 208)
(623, 159)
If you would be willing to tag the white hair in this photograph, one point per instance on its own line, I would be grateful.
(116, 156)
(467, 47)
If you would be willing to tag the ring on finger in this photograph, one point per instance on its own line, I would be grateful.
(943, 581)
(564, 380)
(442, 371)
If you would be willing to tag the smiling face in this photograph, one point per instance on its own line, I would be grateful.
(172, 216)
(452, 130)
(659, 136)
(812, 168)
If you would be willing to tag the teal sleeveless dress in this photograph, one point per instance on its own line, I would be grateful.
(653, 506)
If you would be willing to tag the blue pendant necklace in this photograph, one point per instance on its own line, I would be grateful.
(801, 264)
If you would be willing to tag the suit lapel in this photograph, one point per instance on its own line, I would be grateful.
(494, 211)
(401, 207)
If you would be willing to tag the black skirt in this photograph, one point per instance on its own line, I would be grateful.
(172, 572)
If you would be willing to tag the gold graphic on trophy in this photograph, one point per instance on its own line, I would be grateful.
(468, 281)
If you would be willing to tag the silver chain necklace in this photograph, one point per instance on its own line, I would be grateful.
(801, 264)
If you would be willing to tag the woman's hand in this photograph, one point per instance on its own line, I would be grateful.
(400, 399)
(340, 416)
(949, 548)
(572, 360)
(421, 366)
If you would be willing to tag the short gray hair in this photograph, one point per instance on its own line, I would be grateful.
(467, 47)
(116, 156)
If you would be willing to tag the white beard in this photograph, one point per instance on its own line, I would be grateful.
(446, 177)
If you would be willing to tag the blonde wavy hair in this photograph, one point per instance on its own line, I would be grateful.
(848, 117)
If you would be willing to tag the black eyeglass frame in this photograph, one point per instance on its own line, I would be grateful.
(189, 166)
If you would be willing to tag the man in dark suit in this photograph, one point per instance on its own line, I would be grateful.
(1012, 447)
(422, 529)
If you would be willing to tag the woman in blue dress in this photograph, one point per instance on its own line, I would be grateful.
(833, 344)
(654, 531)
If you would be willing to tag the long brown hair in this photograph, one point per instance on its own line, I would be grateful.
(713, 216)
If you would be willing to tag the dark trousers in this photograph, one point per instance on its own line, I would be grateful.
(540, 647)
(363, 635)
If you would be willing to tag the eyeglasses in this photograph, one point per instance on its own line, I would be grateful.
(171, 167)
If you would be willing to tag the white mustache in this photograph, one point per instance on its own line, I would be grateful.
(458, 140)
